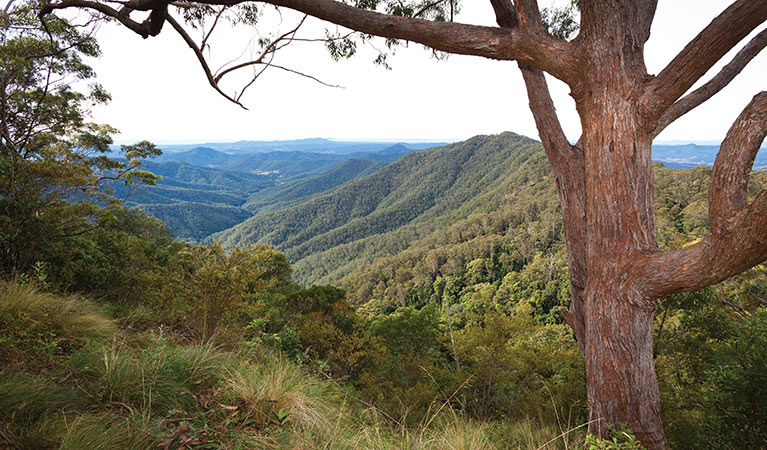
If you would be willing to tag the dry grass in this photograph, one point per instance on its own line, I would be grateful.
(276, 389)
(36, 327)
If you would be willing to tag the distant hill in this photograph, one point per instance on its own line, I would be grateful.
(287, 163)
(314, 145)
(430, 197)
(429, 188)
(296, 191)
(195, 201)
(303, 200)
(192, 221)
(200, 156)
(690, 155)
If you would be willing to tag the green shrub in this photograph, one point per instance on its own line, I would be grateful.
(621, 439)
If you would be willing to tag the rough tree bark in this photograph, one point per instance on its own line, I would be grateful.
(605, 181)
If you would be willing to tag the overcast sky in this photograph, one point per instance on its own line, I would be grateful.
(160, 93)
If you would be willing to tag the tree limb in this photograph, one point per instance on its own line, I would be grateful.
(569, 169)
(534, 49)
(519, 44)
(201, 58)
(505, 15)
(708, 47)
(728, 192)
(269, 49)
(143, 29)
(739, 230)
(212, 27)
(713, 86)
(567, 163)
(529, 16)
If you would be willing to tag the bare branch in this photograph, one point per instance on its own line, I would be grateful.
(708, 47)
(212, 27)
(429, 6)
(201, 58)
(305, 75)
(713, 86)
(8, 6)
(739, 231)
(255, 77)
(269, 49)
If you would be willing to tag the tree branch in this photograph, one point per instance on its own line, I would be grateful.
(567, 163)
(539, 51)
(713, 86)
(708, 47)
(201, 58)
(519, 44)
(207, 35)
(569, 169)
(505, 15)
(728, 192)
(739, 231)
(529, 16)
(269, 49)
(305, 75)
(143, 29)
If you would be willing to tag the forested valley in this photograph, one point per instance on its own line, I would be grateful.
(398, 298)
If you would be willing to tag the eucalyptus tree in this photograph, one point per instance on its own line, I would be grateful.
(605, 181)
(53, 161)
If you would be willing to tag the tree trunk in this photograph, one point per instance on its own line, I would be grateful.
(617, 312)
(620, 373)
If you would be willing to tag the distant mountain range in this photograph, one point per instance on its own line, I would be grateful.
(688, 156)
(314, 145)
(226, 188)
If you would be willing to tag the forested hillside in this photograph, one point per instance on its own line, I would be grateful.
(288, 193)
(480, 217)
(194, 201)
(221, 189)
(512, 252)
(422, 187)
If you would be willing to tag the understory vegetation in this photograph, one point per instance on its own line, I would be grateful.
(131, 339)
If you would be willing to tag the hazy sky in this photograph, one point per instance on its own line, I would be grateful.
(160, 93)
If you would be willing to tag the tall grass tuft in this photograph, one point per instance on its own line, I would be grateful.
(276, 390)
(103, 432)
(38, 328)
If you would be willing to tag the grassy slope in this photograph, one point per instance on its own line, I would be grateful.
(72, 378)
